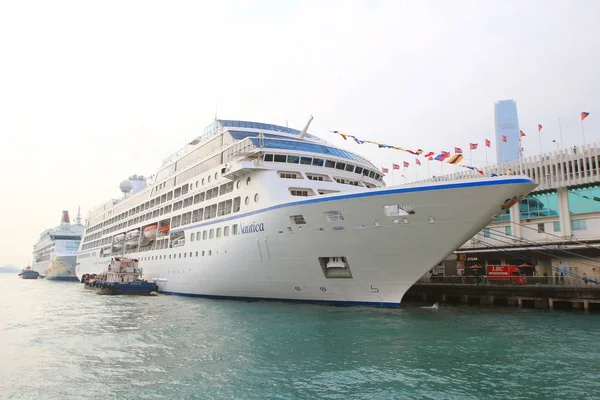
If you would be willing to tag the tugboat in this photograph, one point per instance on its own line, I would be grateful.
(121, 276)
(29, 273)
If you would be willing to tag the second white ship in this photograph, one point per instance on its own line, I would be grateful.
(253, 210)
(55, 252)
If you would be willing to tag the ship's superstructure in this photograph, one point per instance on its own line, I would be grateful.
(253, 210)
(55, 252)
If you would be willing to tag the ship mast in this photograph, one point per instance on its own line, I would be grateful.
(78, 218)
(306, 128)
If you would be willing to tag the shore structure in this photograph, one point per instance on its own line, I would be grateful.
(551, 237)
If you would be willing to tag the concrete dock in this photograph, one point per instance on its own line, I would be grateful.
(542, 296)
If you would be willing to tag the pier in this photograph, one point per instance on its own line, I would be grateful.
(540, 293)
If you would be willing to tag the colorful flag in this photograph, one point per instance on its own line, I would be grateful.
(504, 138)
(521, 134)
(458, 150)
(473, 146)
(395, 166)
(385, 170)
(488, 143)
(430, 158)
(455, 159)
(539, 128)
(442, 156)
(430, 154)
(419, 151)
(406, 164)
(584, 114)
(417, 161)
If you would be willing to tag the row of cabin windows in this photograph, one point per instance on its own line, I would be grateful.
(317, 177)
(213, 233)
(177, 255)
(197, 198)
(306, 192)
(214, 210)
(180, 191)
(320, 162)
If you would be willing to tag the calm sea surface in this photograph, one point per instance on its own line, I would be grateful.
(58, 341)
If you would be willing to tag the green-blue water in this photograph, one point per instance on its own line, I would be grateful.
(58, 341)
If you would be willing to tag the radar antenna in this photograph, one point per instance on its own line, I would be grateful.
(306, 128)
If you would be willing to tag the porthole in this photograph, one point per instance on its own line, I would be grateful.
(256, 198)
(238, 184)
(216, 176)
(209, 179)
(248, 180)
(203, 181)
(247, 200)
(196, 184)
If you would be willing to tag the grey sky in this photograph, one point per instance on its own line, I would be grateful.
(93, 92)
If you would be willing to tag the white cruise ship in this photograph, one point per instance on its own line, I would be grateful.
(254, 210)
(55, 252)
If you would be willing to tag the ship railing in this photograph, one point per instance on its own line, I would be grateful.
(241, 148)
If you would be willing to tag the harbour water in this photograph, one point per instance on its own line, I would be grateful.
(61, 342)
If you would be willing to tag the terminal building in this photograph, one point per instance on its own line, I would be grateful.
(553, 230)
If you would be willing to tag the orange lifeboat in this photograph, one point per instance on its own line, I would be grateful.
(165, 228)
(150, 232)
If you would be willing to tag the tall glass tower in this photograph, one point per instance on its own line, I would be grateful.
(507, 128)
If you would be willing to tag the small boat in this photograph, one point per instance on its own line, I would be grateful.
(119, 238)
(150, 232)
(132, 236)
(165, 228)
(121, 276)
(29, 273)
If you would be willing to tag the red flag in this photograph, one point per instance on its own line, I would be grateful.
(584, 114)
(385, 170)
(539, 128)
(457, 150)
(504, 138)
(521, 134)
(488, 143)
(431, 153)
(395, 166)
(406, 164)
(417, 161)
(473, 146)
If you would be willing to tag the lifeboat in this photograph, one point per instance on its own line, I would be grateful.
(165, 228)
(119, 238)
(150, 232)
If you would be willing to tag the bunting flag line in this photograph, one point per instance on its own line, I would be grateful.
(504, 139)
(539, 128)
(521, 134)
(444, 155)
(584, 115)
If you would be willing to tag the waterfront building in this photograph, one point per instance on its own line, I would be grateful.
(556, 228)
(507, 130)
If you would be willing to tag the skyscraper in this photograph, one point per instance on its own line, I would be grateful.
(507, 130)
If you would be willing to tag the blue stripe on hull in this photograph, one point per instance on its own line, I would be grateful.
(366, 193)
(323, 302)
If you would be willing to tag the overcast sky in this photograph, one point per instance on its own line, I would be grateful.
(92, 92)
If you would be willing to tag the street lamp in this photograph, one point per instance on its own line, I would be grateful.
(556, 144)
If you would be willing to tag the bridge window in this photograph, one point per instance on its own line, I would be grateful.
(280, 158)
(268, 157)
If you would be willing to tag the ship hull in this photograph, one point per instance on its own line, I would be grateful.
(58, 268)
(272, 258)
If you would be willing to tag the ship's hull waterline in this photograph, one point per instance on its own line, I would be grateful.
(274, 258)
